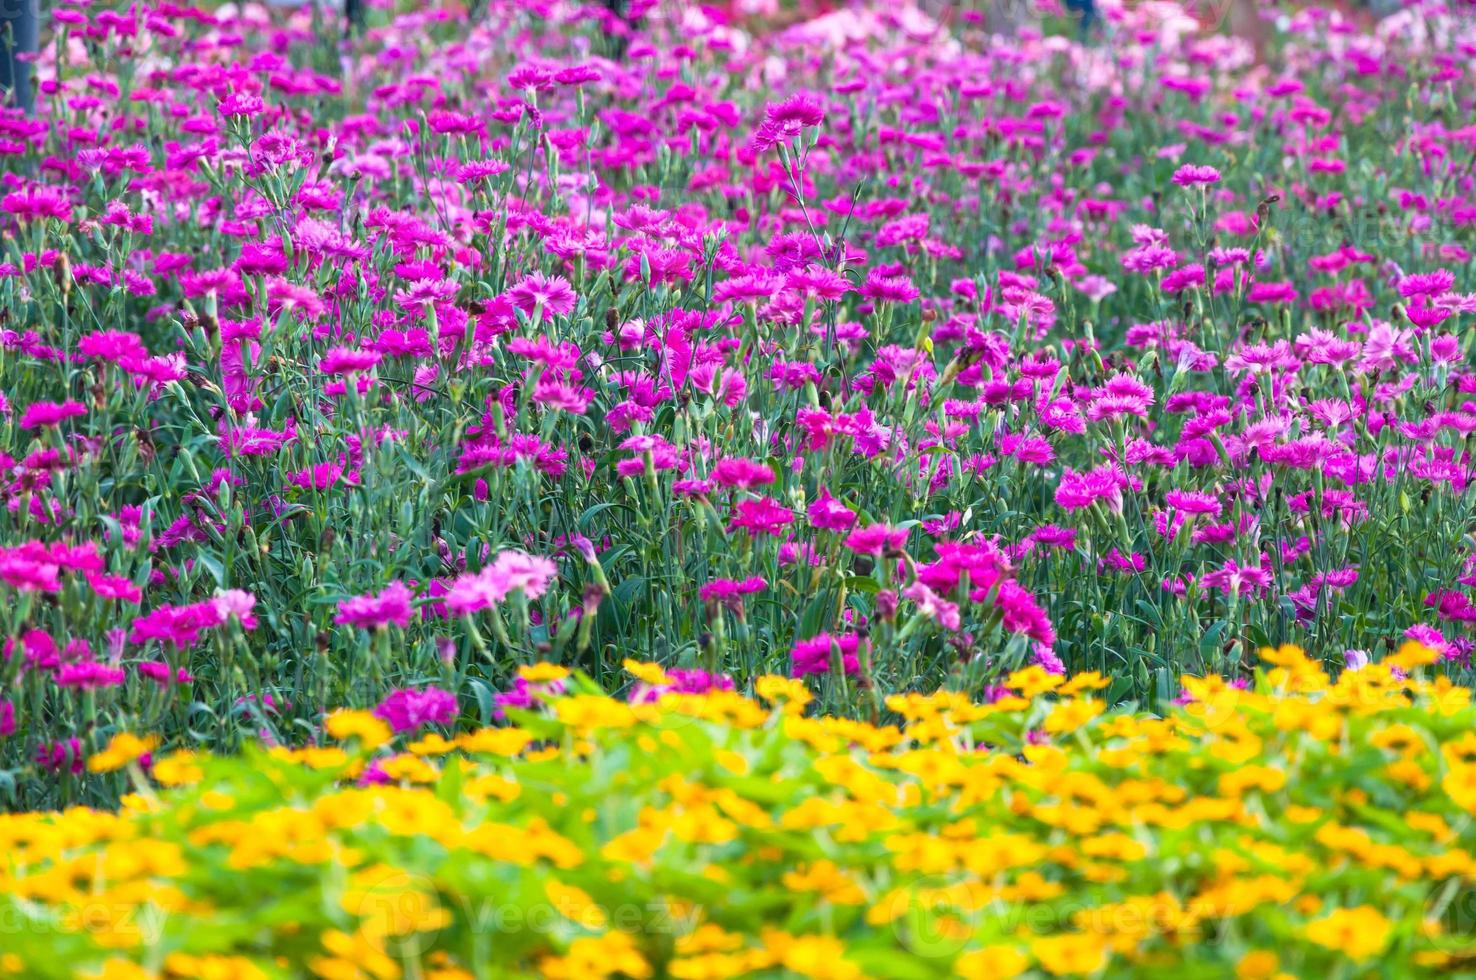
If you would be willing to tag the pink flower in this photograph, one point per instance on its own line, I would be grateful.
(761, 516)
(785, 120)
(876, 540)
(181, 626)
(1077, 491)
(889, 289)
(830, 514)
(160, 673)
(48, 414)
(559, 395)
(934, 606)
(89, 674)
(236, 603)
(1184, 278)
(346, 361)
(510, 571)
(553, 293)
(1193, 173)
(112, 345)
(745, 474)
(241, 104)
(683, 681)
(114, 587)
(37, 202)
(320, 476)
(1427, 283)
(29, 568)
(408, 709)
(815, 655)
(369, 611)
(64, 755)
(729, 592)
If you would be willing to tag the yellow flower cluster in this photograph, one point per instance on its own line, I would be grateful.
(1307, 827)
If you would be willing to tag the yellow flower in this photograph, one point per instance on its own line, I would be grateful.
(646, 672)
(1460, 785)
(1258, 964)
(1071, 714)
(353, 958)
(543, 673)
(124, 748)
(212, 967)
(1263, 779)
(407, 768)
(1087, 681)
(1357, 933)
(828, 881)
(178, 769)
(1034, 680)
(525, 846)
(495, 741)
(345, 724)
(1070, 954)
(432, 744)
(991, 963)
(591, 711)
(1400, 739)
(816, 957)
(596, 958)
(1460, 751)
(1412, 655)
(574, 904)
(788, 691)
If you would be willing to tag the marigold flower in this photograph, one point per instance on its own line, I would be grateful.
(123, 748)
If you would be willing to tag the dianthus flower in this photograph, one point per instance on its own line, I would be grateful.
(408, 709)
(390, 605)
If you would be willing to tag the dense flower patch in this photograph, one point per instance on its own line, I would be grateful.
(874, 351)
(1300, 827)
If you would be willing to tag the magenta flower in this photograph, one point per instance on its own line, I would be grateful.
(683, 681)
(45, 415)
(1435, 283)
(407, 709)
(241, 104)
(370, 611)
(346, 361)
(934, 606)
(37, 202)
(511, 571)
(114, 587)
(815, 655)
(744, 474)
(181, 626)
(761, 516)
(785, 120)
(889, 289)
(830, 514)
(876, 540)
(1192, 173)
(552, 293)
(730, 592)
(89, 674)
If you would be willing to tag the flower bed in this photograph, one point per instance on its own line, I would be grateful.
(1305, 827)
(875, 349)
